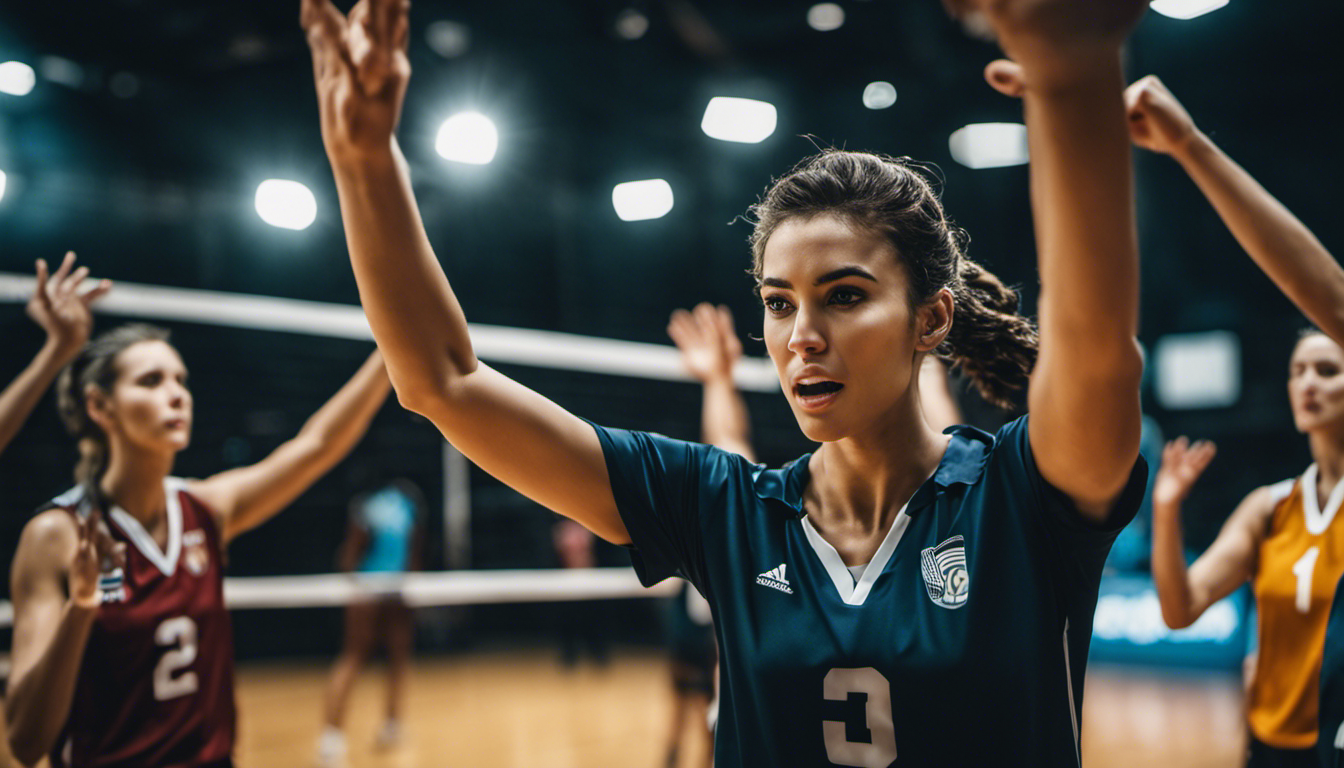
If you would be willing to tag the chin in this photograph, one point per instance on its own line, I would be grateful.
(819, 430)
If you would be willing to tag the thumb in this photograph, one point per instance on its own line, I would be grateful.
(1005, 77)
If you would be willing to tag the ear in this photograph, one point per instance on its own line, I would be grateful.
(97, 407)
(1005, 77)
(933, 320)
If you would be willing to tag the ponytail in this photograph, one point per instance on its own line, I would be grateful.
(989, 340)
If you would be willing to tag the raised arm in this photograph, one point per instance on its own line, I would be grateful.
(54, 585)
(1084, 393)
(513, 433)
(1283, 247)
(248, 496)
(1185, 593)
(709, 351)
(62, 310)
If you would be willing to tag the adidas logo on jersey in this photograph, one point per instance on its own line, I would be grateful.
(774, 578)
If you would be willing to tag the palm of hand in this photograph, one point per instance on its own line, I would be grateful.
(361, 68)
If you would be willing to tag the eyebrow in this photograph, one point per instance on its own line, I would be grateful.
(829, 277)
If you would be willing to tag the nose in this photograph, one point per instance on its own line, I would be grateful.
(807, 336)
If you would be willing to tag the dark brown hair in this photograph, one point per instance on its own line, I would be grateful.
(989, 340)
(95, 366)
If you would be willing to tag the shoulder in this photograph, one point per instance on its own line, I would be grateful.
(1256, 511)
(47, 542)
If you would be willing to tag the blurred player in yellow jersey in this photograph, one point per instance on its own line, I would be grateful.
(1284, 539)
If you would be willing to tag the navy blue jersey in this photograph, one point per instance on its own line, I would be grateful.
(962, 643)
(1330, 738)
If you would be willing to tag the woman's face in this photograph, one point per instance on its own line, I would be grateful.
(838, 325)
(1316, 383)
(149, 405)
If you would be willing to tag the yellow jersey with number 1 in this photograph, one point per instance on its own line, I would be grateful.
(1300, 562)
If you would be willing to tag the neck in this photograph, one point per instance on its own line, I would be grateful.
(864, 480)
(134, 481)
(1327, 450)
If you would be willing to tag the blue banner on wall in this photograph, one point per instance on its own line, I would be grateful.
(1128, 628)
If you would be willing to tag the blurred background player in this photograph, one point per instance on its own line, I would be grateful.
(123, 649)
(60, 305)
(385, 536)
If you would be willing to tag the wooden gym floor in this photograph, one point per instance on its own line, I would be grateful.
(520, 709)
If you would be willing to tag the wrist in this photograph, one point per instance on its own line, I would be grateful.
(1056, 70)
(85, 606)
(1192, 148)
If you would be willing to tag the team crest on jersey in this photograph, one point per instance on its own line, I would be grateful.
(112, 585)
(945, 573)
(195, 554)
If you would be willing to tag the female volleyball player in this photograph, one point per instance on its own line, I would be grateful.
(123, 652)
(1282, 538)
(898, 592)
(61, 308)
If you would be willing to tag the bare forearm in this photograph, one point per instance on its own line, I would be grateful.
(1084, 394)
(22, 394)
(39, 698)
(343, 419)
(414, 315)
(724, 422)
(1278, 242)
(1170, 574)
(1083, 206)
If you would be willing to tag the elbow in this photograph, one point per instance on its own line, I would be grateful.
(420, 400)
(1175, 620)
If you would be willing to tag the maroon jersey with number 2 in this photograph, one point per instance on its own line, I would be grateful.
(155, 687)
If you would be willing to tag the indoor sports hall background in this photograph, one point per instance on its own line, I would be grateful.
(139, 133)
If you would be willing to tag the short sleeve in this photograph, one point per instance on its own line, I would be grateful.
(1083, 544)
(660, 486)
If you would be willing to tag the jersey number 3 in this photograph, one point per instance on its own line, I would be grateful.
(880, 751)
(178, 635)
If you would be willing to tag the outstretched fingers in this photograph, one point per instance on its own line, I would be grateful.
(324, 26)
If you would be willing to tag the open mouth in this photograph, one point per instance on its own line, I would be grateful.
(819, 388)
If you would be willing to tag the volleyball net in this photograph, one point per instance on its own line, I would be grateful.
(494, 344)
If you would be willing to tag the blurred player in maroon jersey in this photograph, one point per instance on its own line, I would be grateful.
(123, 649)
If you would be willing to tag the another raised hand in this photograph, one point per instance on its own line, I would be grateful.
(709, 350)
(1157, 121)
(361, 70)
(61, 308)
(1182, 464)
(96, 553)
(708, 343)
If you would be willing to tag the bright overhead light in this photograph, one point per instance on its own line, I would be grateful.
(747, 121)
(286, 204)
(825, 17)
(640, 200)
(2, 185)
(879, 95)
(17, 78)
(989, 145)
(467, 137)
(1186, 9)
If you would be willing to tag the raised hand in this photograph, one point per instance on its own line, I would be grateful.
(361, 70)
(1182, 464)
(60, 308)
(1157, 120)
(708, 343)
(1058, 21)
(95, 553)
